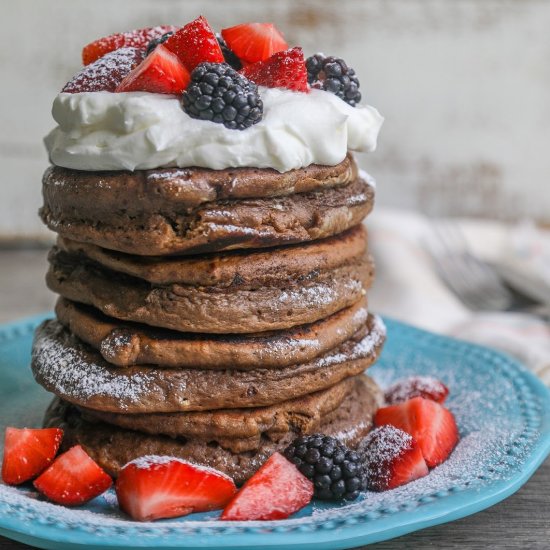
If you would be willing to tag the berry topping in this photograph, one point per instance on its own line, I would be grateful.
(337, 473)
(392, 458)
(282, 70)
(333, 75)
(161, 72)
(230, 58)
(252, 42)
(134, 39)
(416, 386)
(28, 452)
(156, 41)
(106, 73)
(73, 478)
(220, 94)
(275, 491)
(155, 487)
(430, 424)
(195, 43)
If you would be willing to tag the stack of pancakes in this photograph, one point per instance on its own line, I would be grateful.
(211, 315)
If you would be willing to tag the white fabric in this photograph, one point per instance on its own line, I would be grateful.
(407, 287)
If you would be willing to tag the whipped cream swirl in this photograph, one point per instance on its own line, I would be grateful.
(138, 130)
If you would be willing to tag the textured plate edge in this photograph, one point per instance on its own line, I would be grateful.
(337, 536)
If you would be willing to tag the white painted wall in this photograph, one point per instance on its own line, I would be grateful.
(464, 86)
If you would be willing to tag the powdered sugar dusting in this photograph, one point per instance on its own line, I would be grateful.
(106, 73)
(66, 369)
(148, 461)
(362, 349)
(496, 410)
(407, 388)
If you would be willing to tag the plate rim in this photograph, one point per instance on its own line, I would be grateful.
(330, 534)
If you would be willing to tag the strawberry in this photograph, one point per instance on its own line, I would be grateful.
(106, 73)
(275, 491)
(430, 424)
(155, 487)
(416, 386)
(195, 43)
(252, 42)
(282, 70)
(73, 478)
(28, 452)
(392, 458)
(160, 72)
(139, 38)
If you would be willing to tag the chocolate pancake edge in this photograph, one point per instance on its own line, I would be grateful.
(78, 374)
(113, 447)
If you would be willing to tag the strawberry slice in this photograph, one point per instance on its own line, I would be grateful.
(160, 72)
(416, 386)
(392, 458)
(252, 42)
(282, 70)
(275, 491)
(138, 38)
(28, 452)
(73, 478)
(431, 425)
(195, 43)
(106, 73)
(155, 487)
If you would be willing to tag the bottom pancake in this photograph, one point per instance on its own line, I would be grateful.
(112, 447)
(241, 430)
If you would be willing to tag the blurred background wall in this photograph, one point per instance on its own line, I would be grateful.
(464, 86)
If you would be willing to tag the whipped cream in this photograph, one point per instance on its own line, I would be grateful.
(139, 130)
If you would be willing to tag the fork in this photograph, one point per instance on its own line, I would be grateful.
(474, 281)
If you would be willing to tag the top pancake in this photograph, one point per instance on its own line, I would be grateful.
(159, 213)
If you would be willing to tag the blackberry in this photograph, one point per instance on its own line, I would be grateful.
(220, 94)
(230, 57)
(337, 472)
(156, 41)
(332, 74)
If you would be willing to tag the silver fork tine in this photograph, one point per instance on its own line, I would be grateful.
(471, 279)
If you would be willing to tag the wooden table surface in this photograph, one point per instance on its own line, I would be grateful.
(522, 521)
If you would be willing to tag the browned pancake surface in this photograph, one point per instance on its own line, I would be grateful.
(112, 447)
(144, 221)
(128, 344)
(77, 373)
(230, 309)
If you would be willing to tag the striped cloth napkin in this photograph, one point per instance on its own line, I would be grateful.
(407, 287)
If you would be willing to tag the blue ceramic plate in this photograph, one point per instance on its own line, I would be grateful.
(503, 413)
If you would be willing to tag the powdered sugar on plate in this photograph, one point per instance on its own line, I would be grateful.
(498, 412)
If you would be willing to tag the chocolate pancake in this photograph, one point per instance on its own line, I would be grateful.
(78, 374)
(112, 447)
(240, 430)
(128, 344)
(149, 214)
(292, 299)
(245, 270)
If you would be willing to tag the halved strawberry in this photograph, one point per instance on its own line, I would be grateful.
(160, 72)
(416, 386)
(392, 458)
(138, 38)
(431, 424)
(28, 452)
(275, 491)
(106, 73)
(73, 478)
(155, 487)
(195, 43)
(282, 70)
(252, 42)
